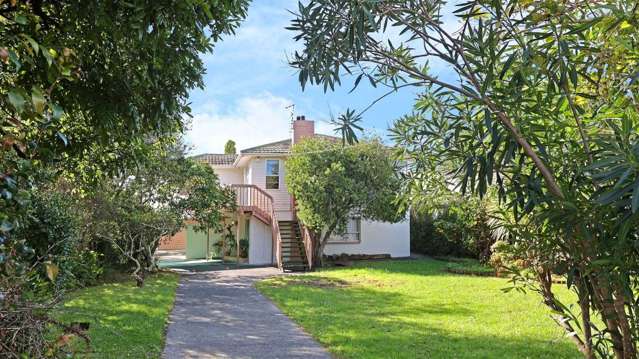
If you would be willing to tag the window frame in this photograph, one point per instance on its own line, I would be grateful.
(345, 238)
(266, 175)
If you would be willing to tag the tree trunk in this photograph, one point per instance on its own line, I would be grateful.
(545, 280)
(319, 242)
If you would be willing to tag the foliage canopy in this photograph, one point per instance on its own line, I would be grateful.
(332, 182)
(542, 105)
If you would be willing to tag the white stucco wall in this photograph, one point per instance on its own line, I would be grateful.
(229, 175)
(260, 242)
(377, 238)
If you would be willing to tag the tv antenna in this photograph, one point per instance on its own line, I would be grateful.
(291, 108)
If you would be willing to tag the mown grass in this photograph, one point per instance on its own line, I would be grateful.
(125, 321)
(415, 309)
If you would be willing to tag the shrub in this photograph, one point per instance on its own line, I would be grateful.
(52, 230)
(458, 228)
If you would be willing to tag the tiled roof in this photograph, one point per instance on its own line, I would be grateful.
(216, 159)
(283, 146)
(279, 147)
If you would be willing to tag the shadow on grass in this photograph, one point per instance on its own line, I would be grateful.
(357, 321)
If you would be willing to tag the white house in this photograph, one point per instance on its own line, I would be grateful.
(267, 219)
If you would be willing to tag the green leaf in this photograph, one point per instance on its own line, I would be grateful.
(507, 64)
(21, 19)
(38, 100)
(47, 56)
(16, 100)
(32, 42)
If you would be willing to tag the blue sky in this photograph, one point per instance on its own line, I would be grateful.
(248, 85)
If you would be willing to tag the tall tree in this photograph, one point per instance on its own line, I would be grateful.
(229, 148)
(93, 80)
(332, 182)
(542, 105)
(83, 86)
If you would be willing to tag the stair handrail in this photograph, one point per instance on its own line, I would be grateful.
(305, 234)
(308, 244)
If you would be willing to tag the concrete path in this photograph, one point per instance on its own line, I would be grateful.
(221, 315)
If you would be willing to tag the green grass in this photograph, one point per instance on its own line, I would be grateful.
(414, 309)
(125, 321)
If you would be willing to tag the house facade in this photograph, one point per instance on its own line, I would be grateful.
(266, 220)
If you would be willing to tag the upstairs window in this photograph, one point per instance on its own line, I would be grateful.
(272, 174)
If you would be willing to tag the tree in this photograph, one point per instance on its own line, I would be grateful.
(136, 210)
(541, 104)
(77, 76)
(207, 203)
(229, 148)
(332, 182)
(83, 86)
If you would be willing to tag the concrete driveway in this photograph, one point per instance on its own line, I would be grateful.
(221, 315)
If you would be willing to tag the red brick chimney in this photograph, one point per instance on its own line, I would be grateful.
(302, 128)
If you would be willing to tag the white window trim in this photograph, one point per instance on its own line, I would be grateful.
(279, 174)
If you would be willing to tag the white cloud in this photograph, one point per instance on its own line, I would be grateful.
(249, 121)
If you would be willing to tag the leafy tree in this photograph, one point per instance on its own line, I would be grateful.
(137, 209)
(207, 203)
(331, 182)
(229, 148)
(83, 85)
(80, 76)
(541, 104)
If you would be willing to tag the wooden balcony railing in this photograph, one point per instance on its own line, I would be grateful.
(251, 198)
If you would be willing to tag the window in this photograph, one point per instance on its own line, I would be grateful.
(352, 234)
(272, 174)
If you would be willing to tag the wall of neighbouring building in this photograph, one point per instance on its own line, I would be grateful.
(377, 238)
(176, 242)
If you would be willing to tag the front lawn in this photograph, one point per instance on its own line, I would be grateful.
(125, 321)
(415, 309)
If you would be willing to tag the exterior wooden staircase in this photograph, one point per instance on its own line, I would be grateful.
(291, 243)
(292, 246)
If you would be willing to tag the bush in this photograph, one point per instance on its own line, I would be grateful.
(459, 228)
(52, 230)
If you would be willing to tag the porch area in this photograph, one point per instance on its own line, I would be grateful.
(253, 235)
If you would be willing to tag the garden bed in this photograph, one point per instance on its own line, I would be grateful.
(466, 266)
